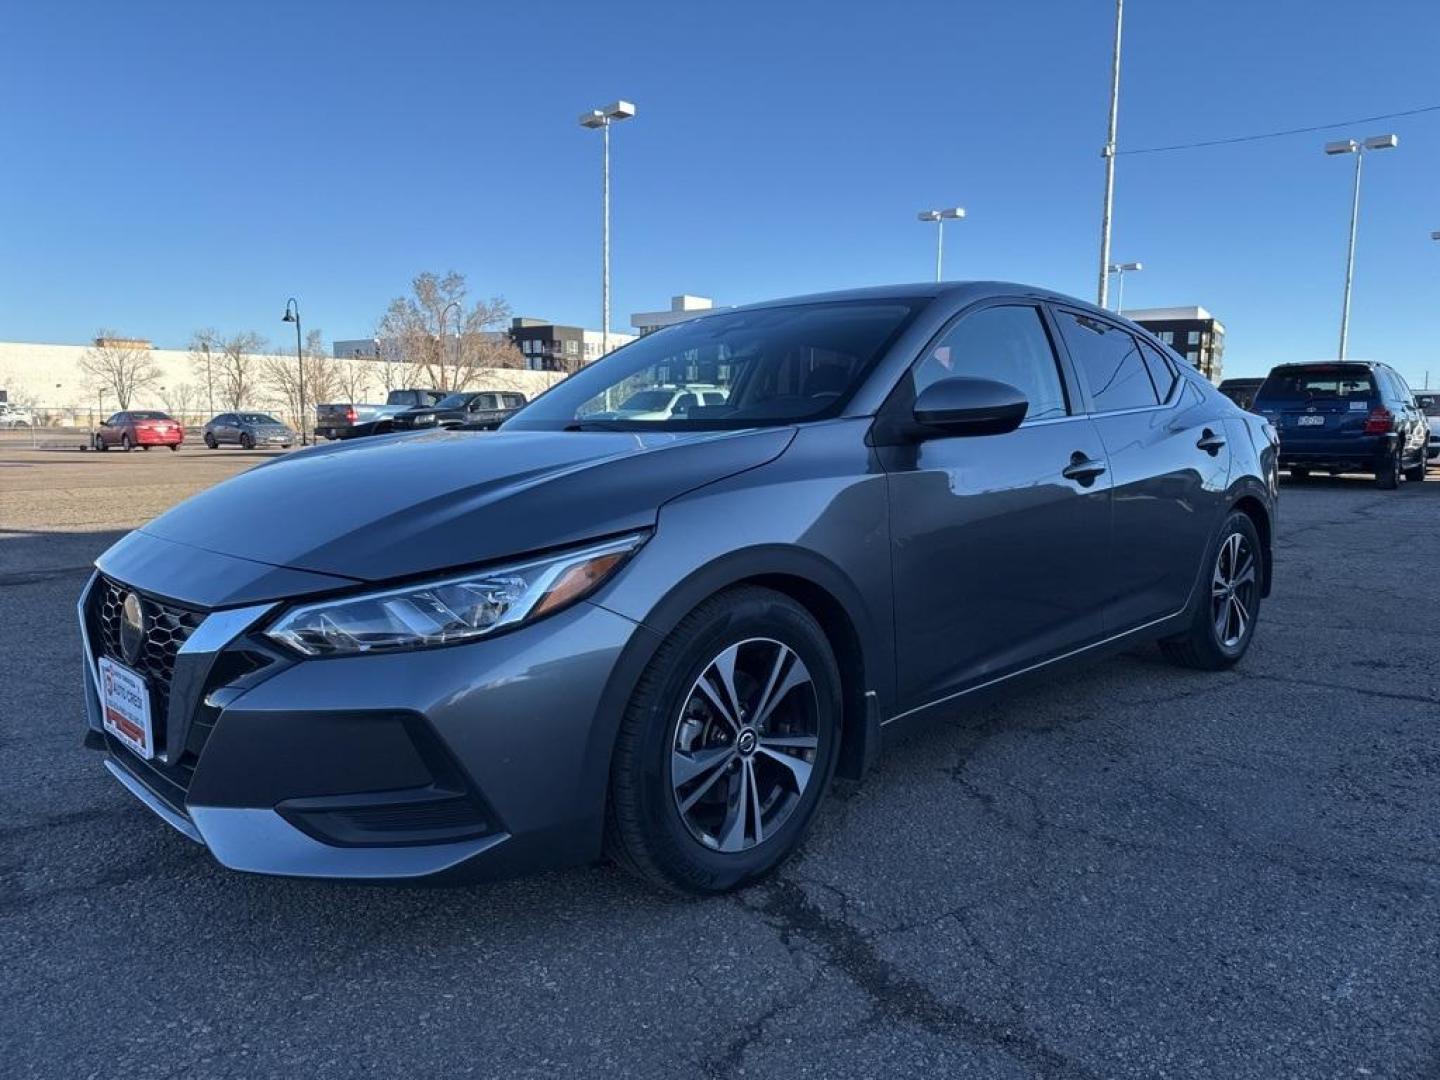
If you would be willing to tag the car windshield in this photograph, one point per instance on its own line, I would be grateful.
(1317, 384)
(454, 401)
(775, 365)
(257, 418)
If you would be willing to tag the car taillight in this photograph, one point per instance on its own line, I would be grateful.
(351, 415)
(1379, 422)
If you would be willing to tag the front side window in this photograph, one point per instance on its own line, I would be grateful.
(1111, 362)
(777, 365)
(1006, 344)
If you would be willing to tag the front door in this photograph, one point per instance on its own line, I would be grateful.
(1000, 542)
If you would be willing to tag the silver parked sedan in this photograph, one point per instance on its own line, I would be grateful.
(247, 430)
(472, 654)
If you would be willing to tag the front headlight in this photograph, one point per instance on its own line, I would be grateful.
(450, 609)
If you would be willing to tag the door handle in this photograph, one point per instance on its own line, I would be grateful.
(1083, 470)
(1211, 443)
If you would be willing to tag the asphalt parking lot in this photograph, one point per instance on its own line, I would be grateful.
(1133, 872)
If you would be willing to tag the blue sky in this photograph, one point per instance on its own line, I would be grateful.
(171, 166)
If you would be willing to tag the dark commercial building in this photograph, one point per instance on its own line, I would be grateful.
(1191, 331)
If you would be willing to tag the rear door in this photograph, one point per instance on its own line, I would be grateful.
(1169, 466)
(999, 542)
(1319, 408)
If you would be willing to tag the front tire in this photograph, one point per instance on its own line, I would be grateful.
(1223, 622)
(727, 747)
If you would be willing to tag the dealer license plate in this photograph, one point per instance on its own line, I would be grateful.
(125, 703)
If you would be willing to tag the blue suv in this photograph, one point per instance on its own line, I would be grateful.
(1345, 417)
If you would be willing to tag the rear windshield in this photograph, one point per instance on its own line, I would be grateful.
(1318, 384)
(140, 414)
(1429, 402)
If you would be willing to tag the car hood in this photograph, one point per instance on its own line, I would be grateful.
(405, 504)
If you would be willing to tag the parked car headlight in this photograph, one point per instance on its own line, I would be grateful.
(450, 609)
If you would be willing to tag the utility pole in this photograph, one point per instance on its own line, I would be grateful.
(1109, 154)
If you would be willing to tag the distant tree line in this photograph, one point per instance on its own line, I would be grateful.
(433, 337)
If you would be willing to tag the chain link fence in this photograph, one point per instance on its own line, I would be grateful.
(58, 428)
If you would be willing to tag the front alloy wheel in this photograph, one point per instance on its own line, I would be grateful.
(728, 745)
(745, 745)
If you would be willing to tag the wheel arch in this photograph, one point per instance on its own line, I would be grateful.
(1253, 507)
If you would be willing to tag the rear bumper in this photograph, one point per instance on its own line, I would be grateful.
(155, 438)
(475, 761)
(1361, 454)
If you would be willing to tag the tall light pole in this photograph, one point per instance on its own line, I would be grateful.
(209, 381)
(1352, 146)
(292, 314)
(602, 118)
(1108, 153)
(954, 213)
(440, 342)
(1121, 269)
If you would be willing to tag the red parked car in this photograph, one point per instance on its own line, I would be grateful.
(139, 427)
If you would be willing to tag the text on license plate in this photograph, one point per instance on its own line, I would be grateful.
(1309, 421)
(125, 707)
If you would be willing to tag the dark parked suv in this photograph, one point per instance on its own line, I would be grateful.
(1345, 417)
(661, 636)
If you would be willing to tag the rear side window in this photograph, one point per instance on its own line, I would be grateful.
(1111, 361)
(1330, 383)
(1008, 344)
(1162, 371)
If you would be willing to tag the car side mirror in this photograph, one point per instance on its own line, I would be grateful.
(966, 406)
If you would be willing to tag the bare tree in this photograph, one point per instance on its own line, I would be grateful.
(281, 377)
(120, 366)
(447, 346)
(183, 399)
(352, 380)
(237, 368)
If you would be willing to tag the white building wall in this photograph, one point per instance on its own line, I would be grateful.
(50, 377)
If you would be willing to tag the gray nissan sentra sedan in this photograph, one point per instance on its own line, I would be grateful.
(472, 654)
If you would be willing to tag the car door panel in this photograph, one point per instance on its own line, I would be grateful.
(998, 556)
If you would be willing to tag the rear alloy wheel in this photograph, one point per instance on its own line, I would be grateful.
(727, 747)
(1387, 477)
(1222, 623)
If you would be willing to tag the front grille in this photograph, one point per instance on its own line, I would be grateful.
(167, 627)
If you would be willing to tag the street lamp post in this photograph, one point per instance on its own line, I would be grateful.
(209, 379)
(440, 342)
(1121, 269)
(954, 213)
(292, 314)
(1108, 153)
(602, 118)
(1353, 146)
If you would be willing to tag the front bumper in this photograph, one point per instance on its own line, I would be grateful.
(478, 760)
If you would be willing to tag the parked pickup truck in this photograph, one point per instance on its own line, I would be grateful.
(472, 410)
(350, 421)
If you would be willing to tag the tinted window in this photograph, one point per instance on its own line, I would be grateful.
(1111, 362)
(255, 418)
(149, 414)
(776, 365)
(1006, 344)
(1428, 402)
(1162, 372)
(1330, 382)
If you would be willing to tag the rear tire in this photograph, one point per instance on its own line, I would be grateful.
(1387, 477)
(1223, 622)
(1416, 472)
(174, 447)
(690, 835)
(126, 444)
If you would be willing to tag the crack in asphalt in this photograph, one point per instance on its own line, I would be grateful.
(896, 996)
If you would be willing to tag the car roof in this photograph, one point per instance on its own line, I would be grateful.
(948, 290)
